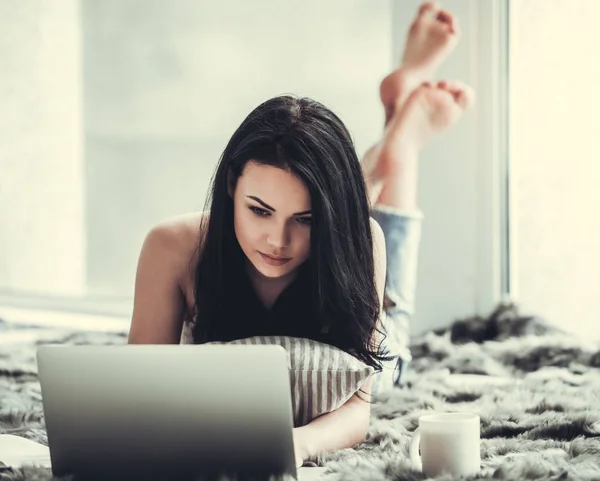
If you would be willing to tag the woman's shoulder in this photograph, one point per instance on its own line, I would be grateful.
(180, 237)
(375, 227)
(378, 237)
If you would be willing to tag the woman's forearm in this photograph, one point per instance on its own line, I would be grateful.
(345, 427)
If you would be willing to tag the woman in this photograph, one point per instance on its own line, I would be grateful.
(289, 246)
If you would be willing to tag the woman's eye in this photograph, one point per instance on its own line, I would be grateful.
(259, 212)
(263, 213)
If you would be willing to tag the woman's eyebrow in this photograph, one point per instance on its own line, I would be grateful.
(267, 206)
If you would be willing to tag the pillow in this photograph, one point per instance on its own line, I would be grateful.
(322, 377)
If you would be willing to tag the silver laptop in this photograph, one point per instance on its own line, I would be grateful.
(168, 411)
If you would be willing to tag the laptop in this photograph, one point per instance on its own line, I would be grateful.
(168, 411)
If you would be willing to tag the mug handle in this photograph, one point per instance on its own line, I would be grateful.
(414, 449)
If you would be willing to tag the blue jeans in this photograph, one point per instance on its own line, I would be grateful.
(402, 231)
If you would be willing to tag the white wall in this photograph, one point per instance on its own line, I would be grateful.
(162, 87)
(167, 85)
(42, 232)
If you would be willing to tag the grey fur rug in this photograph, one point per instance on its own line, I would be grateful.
(543, 424)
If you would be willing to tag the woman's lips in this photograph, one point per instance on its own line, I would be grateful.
(272, 261)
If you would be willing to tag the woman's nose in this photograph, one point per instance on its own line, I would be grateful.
(278, 238)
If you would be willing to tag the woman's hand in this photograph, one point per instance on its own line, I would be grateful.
(300, 447)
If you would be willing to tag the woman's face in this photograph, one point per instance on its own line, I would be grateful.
(272, 216)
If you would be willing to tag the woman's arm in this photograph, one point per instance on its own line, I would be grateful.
(348, 425)
(345, 427)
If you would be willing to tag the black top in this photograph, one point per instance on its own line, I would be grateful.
(294, 313)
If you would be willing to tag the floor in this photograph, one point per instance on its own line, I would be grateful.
(54, 319)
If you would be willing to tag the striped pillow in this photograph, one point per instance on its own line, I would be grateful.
(322, 377)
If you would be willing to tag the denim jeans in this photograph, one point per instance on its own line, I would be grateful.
(402, 231)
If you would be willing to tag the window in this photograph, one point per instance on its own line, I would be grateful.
(554, 74)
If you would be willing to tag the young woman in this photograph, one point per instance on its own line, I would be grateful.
(287, 244)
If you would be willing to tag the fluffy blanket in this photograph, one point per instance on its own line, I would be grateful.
(540, 410)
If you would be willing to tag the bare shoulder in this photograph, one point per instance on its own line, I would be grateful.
(379, 259)
(375, 227)
(162, 295)
(378, 238)
(183, 222)
(180, 236)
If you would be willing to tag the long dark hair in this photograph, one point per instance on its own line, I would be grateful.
(304, 137)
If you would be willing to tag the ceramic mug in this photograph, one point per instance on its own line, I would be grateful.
(449, 442)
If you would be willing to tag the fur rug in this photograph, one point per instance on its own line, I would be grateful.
(543, 423)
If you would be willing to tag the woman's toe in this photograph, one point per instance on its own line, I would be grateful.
(463, 94)
(428, 7)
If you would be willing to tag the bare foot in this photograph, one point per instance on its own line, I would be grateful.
(430, 109)
(431, 37)
(433, 34)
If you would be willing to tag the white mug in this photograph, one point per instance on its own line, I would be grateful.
(449, 444)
